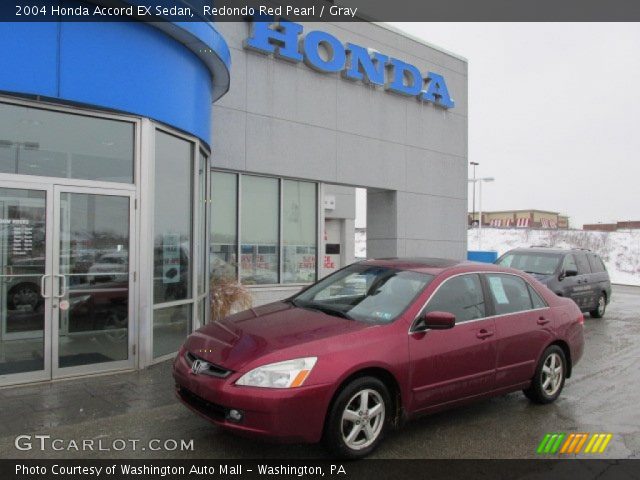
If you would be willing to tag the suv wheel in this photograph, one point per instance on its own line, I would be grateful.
(548, 380)
(600, 309)
(358, 418)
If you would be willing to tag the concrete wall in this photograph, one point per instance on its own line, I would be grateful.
(288, 120)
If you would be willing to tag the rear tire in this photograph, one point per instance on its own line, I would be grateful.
(354, 429)
(548, 381)
(601, 308)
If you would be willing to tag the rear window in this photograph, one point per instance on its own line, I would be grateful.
(596, 263)
(531, 262)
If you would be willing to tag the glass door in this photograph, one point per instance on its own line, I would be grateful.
(92, 280)
(25, 282)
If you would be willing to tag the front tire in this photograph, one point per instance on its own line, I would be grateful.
(600, 309)
(548, 381)
(358, 418)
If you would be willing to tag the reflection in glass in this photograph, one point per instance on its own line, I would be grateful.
(22, 265)
(170, 327)
(94, 259)
(172, 220)
(224, 235)
(56, 144)
(259, 251)
(202, 216)
(299, 231)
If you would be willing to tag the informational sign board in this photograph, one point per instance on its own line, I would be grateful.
(170, 258)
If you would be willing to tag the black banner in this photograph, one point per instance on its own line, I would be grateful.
(290, 469)
(321, 10)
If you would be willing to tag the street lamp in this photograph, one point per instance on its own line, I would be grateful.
(473, 201)
(480, 181)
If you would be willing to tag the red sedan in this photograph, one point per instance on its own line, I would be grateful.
(377, 343)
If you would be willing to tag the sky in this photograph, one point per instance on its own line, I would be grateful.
(554, 114)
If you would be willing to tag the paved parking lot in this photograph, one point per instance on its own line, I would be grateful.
(602, 396)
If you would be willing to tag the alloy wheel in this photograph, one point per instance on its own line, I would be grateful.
(363, 419)
(552, 374)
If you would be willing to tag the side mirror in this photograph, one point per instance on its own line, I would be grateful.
(568, 273)
(435, 321)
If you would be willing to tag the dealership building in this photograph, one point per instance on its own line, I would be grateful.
(140, 162)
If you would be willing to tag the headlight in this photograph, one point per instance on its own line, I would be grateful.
(289, 374)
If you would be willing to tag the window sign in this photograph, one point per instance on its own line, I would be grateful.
(170, 258)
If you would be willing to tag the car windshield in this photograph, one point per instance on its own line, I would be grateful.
(367, 293)
(532, 262)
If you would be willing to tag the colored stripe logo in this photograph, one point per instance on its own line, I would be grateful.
(573, 443)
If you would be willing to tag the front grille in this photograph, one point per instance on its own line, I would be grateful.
(208, 367)
(208, 409)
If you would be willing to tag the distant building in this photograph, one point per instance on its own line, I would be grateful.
(520, 219)
(612, 227)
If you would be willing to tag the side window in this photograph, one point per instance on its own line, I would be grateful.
(509, 292)
(595, 263)
(569, 263)
(537, 300)
(583, 263)
(461, 296)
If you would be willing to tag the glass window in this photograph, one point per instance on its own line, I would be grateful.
(537, 300)
(531, 262)
(569, 263)
(583, 263)
(462, 296)
(172, 219)
(299, 231)
(56, 144)
(224, 229)
(22, 261)
(595, 263)
(510, 293)
(259, 230)
(170, 327)
(202, 215)
(366, 293)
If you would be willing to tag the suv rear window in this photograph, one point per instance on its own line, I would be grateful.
(597, 266)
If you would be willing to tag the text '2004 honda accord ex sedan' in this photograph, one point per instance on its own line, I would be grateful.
(376, 343)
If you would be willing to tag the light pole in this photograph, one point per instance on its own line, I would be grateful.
(473, 201)
(481, 181)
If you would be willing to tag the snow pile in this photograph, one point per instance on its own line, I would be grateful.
(619, 250)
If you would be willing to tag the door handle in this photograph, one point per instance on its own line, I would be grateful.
(42, 286)
(484, 334)
(542, 321)
(63, 285)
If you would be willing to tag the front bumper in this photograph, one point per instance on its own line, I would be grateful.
(281, 415)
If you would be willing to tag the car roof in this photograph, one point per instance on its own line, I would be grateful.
(432, 266)
(549, 250)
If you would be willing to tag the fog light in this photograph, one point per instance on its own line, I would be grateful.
(234, 415)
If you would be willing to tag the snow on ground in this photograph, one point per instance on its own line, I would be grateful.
(619, 250)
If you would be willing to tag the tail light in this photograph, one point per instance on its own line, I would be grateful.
(581, 319)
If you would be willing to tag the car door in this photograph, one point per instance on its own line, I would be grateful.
(448, 365)
(585, 291)
(523, 325)
(568, 283)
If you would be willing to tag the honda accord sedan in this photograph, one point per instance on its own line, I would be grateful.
(375, 344)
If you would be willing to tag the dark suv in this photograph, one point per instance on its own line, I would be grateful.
(577, 274)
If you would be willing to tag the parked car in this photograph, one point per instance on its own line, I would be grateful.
(577, 274)
(424, 335)
(110, 267)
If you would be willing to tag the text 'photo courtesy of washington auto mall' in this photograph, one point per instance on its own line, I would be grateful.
(319, 238)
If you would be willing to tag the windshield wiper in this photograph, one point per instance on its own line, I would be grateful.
(292, 301)
(328, 310)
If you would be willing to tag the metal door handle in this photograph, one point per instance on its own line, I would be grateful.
(484, 334)
(542, 321)
(42, 286)
(63, 284)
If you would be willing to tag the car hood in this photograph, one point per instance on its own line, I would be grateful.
(246, 336)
